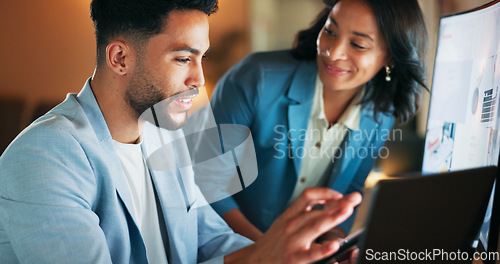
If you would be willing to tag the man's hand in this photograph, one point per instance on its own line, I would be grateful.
(290, 239)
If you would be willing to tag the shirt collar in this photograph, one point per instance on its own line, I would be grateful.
(351, 116)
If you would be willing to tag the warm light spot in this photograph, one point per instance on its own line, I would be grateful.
(375, 177)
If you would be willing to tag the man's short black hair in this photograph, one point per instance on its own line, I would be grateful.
(137, 20)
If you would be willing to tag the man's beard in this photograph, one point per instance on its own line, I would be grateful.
(142, 94)
(141, 99)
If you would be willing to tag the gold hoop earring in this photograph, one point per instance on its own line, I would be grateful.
(388, 73)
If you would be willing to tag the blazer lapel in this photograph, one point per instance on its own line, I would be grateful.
(170, 167)
(89, 104)
(354, 141)
(118, 177)
(111, 161)
(177, 222)
(300, 94)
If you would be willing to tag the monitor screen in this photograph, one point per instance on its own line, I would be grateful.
(463, 123)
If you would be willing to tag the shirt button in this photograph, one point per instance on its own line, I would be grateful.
(318, 145)
(303, 179)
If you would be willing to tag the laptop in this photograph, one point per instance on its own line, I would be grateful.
(426, 219)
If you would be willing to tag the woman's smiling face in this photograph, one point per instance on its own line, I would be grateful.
(351, 47)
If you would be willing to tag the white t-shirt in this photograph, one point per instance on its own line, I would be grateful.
(144, 209)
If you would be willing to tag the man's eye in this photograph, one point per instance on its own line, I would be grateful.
(183, 60)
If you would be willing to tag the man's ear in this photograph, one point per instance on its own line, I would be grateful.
(118, 57)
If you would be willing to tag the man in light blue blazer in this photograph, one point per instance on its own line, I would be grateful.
(79, 186)
(64, 198)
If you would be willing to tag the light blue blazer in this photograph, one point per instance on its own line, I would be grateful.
(64, 199)
(271, 93)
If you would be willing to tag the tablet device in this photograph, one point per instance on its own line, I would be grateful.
(426, 218)
(346, 247)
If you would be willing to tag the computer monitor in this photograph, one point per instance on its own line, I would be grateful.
(463, 123)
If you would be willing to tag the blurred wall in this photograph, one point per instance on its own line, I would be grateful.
(47, 49)
(454, 6)
(274, 23)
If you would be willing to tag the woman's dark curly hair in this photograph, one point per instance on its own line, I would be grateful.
(402, 25)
